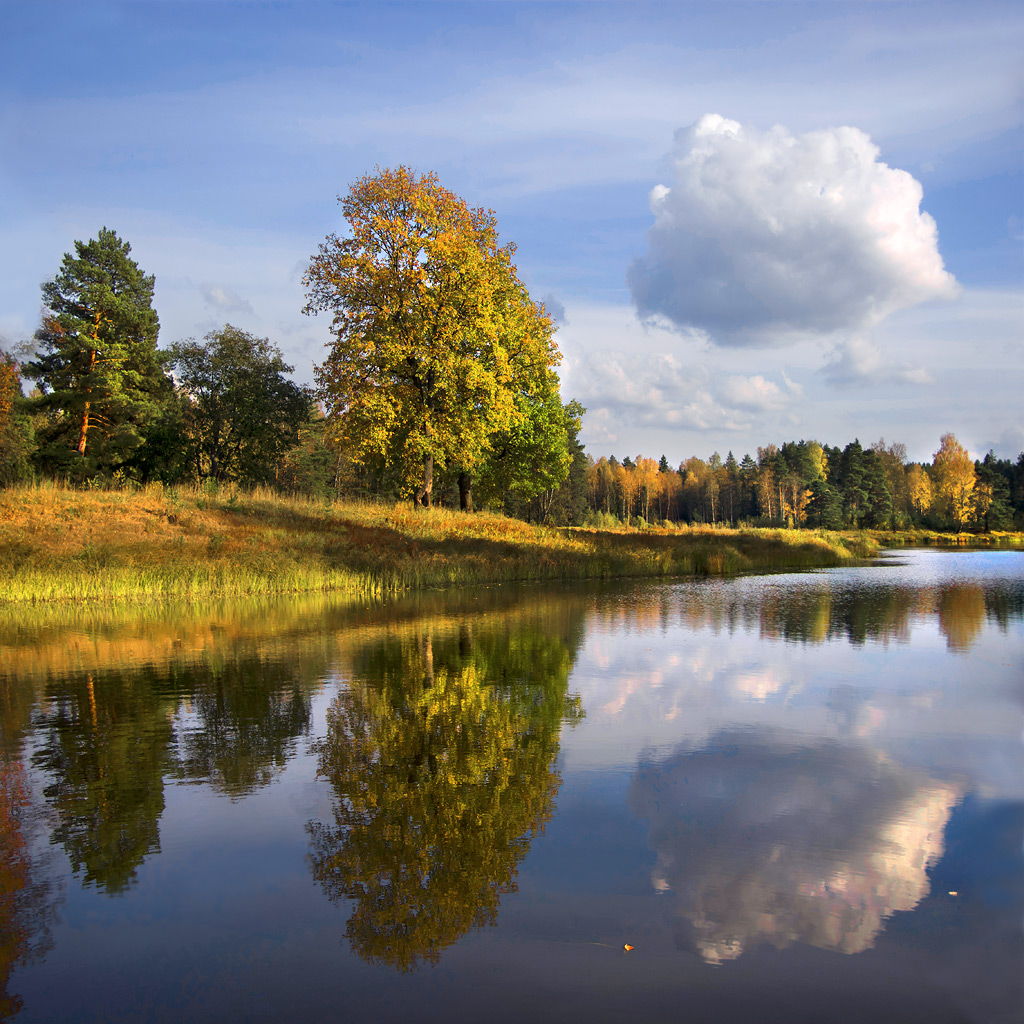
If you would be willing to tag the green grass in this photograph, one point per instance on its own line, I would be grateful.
(61, 544)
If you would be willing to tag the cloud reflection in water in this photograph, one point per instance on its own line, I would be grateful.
(764, 839)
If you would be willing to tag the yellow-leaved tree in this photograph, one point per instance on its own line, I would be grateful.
(954, 478)
(436, 340)
(919, 487)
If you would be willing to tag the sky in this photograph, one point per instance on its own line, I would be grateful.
(753, 222)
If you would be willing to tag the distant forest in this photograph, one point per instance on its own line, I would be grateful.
(808, 484)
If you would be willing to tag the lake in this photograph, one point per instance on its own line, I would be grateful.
(796, 797)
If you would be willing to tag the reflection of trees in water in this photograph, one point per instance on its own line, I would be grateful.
(220, 699)
(108, 741)
(247, 714)
(815, 614)
(765, 840)
(105, 743)
(961, 615)
(442, 759)
(27, 895)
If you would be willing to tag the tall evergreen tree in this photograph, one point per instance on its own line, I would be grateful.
(99, 370)
(852, 484)
(878, 507)
(992, 508)
(824, 507)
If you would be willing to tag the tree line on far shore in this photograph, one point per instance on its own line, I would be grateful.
(807, 484)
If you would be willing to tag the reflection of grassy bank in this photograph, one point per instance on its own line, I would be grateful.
(62, 544)
(308, 631)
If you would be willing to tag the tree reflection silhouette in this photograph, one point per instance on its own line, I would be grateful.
(249, 712)
(961, 615)
(106, 742)
(443, 766)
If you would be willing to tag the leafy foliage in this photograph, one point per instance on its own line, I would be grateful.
(241, 413)
(17, 442)
(954, 479)
(436, 340)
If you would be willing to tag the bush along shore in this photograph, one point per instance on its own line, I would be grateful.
(58, 543)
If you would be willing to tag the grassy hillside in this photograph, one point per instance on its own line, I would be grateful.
(58, 543)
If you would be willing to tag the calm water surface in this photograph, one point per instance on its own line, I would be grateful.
(798, 797)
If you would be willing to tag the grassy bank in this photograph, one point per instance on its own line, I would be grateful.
(58, 543)
(933, 538)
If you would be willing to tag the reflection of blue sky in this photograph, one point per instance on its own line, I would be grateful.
(655, 682)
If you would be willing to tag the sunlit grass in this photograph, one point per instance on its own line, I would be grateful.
(935, 538)
(58, 543)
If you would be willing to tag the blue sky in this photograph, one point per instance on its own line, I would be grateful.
(756, 221)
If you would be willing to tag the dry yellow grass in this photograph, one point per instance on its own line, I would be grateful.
(58, 543)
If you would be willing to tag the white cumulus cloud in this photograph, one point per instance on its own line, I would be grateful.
(658, 389)
(769, 235)
(758, 393)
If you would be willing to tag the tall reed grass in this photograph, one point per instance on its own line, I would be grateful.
(59, 543)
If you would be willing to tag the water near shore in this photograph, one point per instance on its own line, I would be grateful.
(796, 797)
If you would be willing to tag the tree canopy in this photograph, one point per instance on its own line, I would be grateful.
(436, 339)
(16, 440)
(240, 411)
(99, 370)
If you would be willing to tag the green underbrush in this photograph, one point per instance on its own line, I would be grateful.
(58, 543)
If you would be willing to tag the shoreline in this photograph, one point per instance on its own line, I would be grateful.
(61, 544)
(154, 543)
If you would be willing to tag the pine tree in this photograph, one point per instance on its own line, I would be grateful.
(99, 370)
(852, 484)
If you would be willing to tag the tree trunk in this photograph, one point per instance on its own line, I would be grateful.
(465, 492)
(83, 433)
(425, 488)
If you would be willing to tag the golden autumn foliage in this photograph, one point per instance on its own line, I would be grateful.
(954, 477)
(9, 389)
(435, 335)
(919, 485)
(443, 765)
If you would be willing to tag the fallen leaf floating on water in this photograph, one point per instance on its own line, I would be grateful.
(627, 947)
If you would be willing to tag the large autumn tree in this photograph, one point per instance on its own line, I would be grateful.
(436, 339)
(99, 370)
